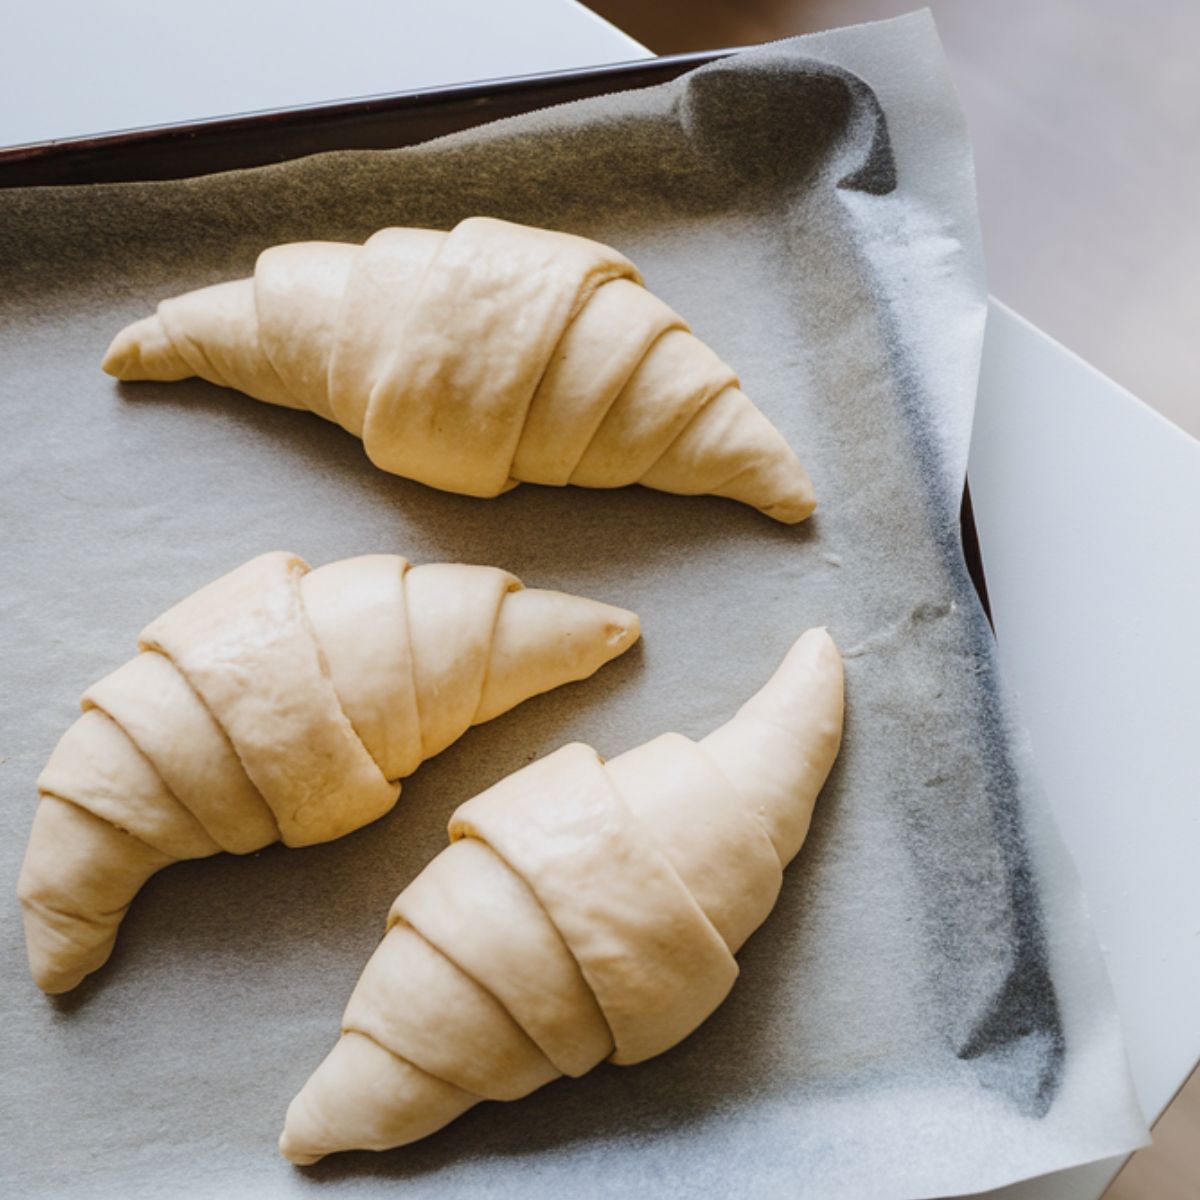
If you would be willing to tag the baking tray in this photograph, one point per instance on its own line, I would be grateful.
(370, 123)
(98, 493)
(374, 122)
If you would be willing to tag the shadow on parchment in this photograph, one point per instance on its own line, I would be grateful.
(578, 531)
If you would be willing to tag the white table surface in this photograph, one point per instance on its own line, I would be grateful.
(1087, 502)
(69, 68)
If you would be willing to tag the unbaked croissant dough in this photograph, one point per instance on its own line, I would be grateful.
(280, 703)
(477, 359)
(582, 911)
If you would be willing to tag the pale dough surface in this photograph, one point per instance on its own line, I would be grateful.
(280, 703)
(474, 360)
(582, 911)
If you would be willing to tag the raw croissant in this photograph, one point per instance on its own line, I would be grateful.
(475, 360)
(582, 911)
(280, 703)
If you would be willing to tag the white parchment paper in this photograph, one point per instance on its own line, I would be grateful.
(925, 1013)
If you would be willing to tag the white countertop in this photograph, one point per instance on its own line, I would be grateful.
(73, 69)
(1087, 502)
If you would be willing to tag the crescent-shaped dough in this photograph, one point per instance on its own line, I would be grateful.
(279, 703)
(478, 359)
(583, 911)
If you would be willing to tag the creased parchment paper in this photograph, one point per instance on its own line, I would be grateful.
(925, 1012)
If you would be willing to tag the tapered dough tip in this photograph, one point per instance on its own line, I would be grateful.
(798, 505)
(63, 949)
(144, 351)
(806, 693)
(544, 639)
(814, 655)
(818, 641)
(294, 1154)
(362, 1097)
(123, 358)
(622, 629)
(76, 882)
(808, 684)
(52, 979)
(778, 486)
